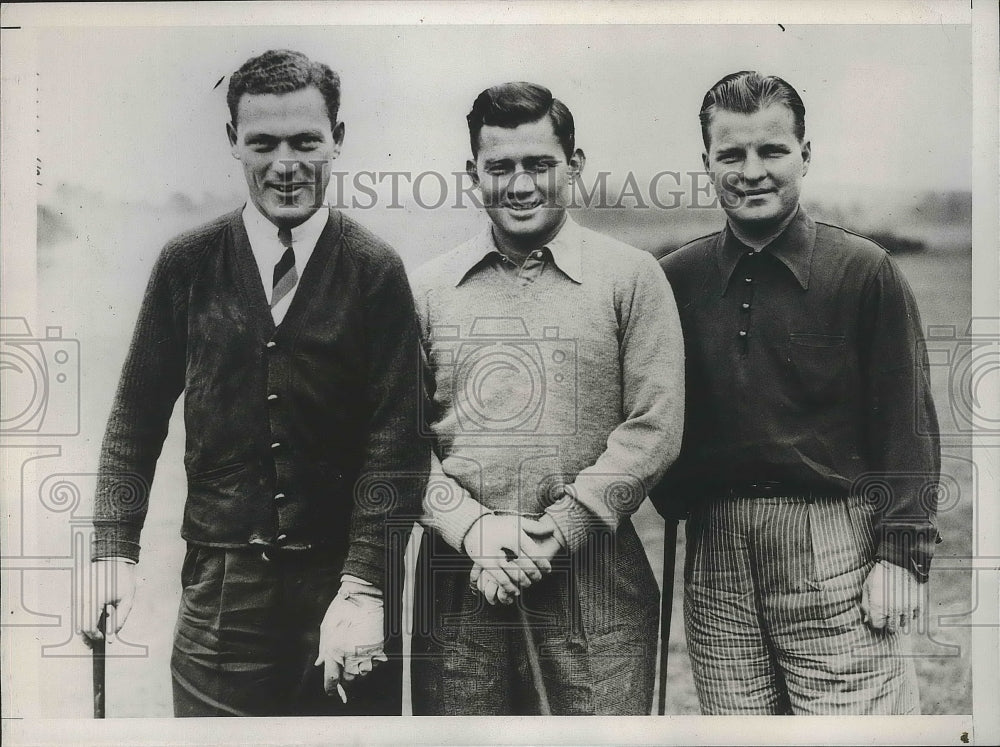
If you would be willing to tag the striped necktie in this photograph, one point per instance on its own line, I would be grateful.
(285, 274)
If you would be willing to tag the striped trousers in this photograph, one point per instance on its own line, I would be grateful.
(772, 611)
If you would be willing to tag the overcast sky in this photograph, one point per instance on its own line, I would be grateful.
(133, 113)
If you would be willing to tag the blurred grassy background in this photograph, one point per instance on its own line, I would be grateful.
(94, 257)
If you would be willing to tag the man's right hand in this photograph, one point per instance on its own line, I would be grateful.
(485, 583)
(546, 544)
(111, 586)
(503, 546)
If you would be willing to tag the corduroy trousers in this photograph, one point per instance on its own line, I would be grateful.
(772, 611)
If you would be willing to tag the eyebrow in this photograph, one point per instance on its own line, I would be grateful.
(294, 136)
(527, 160)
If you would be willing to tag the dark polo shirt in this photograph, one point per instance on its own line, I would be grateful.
(805, 368)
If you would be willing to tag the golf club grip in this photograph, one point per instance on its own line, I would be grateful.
(534, 663)
(98, 658)
(666, 607)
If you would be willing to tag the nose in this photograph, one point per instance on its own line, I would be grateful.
(753, 169)
(286, 162)
(521, 185)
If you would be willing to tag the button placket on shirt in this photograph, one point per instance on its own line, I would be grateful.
(746, 299)
(532, 266)
(529, 270)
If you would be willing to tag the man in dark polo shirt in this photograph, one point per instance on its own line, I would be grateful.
(291, 331)
(809, 486)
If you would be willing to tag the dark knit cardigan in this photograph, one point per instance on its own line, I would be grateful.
(301, 436)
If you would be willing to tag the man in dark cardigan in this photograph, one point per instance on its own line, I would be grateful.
(292, 333)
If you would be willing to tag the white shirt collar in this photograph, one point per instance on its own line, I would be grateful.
(267, 249)
(264, 234)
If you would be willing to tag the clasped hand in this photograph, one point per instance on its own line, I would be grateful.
(352, 635)
(509, 553)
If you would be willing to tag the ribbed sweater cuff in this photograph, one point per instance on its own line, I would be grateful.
(115, 540)
(451, 511)
(572, 519)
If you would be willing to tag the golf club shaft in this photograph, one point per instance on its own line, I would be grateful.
(666, 606)
(534, 663)
(98, 656)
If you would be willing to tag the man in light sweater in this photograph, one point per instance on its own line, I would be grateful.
(557, 403)
(291, 331)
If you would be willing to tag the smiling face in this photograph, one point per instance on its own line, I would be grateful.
(756, 164)
(524, 178)
(286, 143)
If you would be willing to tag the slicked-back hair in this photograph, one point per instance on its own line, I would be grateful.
(513, 104)
(284, 71)
(748, 92)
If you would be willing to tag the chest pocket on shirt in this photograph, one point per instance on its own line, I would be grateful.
(819, 363)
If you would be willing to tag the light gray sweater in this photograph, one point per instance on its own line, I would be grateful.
(557, 386)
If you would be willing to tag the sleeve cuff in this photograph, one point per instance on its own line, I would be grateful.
(908, 547)
(109, 542)
(356, 585)
(115, 557)
(366, 562)
(571, 519)
(449, 514)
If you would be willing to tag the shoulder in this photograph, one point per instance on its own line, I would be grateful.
(856, 247)
(185, 250)
(442, 270)
(691, 254)
(368, 250)
(609, 256)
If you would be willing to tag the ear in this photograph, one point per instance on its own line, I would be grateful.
(470, 169)
(704, 162)
(338, 139)
(806, 156)
(231, 134)
(576, 162)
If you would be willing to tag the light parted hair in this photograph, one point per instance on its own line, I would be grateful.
(748, 92)
(283, 71)
(513, 104)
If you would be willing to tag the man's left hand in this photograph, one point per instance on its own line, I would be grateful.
(351, 636)
(891, 597)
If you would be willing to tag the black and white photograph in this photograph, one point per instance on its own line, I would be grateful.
(366, 361)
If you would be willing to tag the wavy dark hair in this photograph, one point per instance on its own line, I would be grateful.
(513, 104)
(284, 71)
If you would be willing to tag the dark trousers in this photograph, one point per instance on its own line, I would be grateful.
(594, 622)
(248, 633)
